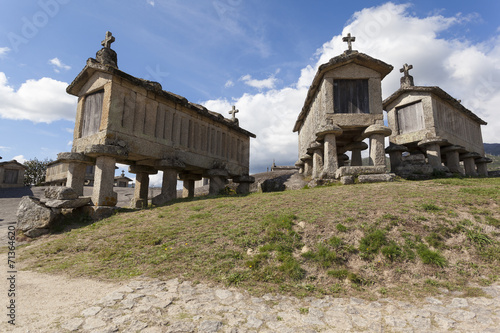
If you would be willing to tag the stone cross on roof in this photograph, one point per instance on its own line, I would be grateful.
(406, 68)
(407, 79)
(108, 40)
(349, 41)
(233, 112)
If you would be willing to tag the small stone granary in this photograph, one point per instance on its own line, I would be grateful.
(11, 174)
(124, 119)
(435, 128)
(342, 108)
(57, 174)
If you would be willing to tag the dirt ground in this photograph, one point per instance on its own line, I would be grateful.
(42, 299)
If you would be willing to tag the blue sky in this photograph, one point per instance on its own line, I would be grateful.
(259, 55)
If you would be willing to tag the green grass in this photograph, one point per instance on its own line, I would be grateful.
(369, 235)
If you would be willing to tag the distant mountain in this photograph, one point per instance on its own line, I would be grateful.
(492, 148)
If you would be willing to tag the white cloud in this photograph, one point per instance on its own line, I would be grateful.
(150, 2)
(229, 84)
(392, 34)
(20, 159)
(44, 100)
(58, 65)
(4, 51)
(5, 148)
(70, 143)
(268, 83)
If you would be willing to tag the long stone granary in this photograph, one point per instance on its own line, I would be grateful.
(124, 119)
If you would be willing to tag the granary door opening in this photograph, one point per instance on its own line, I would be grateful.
(11, 176)
(410, 117)
(92, 111)
(351, 96)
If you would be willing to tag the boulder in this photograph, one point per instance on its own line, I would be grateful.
(33, 218)
(347, 180)
(274, 185)
(60, 193)
(359, 170)
(377, 178)
(79, 202)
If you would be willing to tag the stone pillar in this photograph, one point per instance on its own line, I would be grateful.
(452, 158)
(377, 151)
(76, 177)
(188, 188)
(168, 188)
(104, 179)
(482, 166)
(317, 160)
(104, 175)
(330, 157)
(327, 134)
(396, 155)
(244, 183)
(141, 190)
(307, 159)
(376, 134)
(218, 181)
(342, 158)
(300, 165)
(356, 148)
(188, 180)
(469, 163)
(433, 150)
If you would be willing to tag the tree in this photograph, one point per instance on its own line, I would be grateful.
(35, 171)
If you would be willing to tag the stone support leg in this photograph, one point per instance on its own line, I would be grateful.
(396, 158)
(434, 155)
(168, 188)
(453, 162)
(218, 181)
(470, 166)
(356, 159)
(330, 158)
(317, 163)
(141, 190)
(244, 182)
(308, 164)
(104, 178)
(76, 177)
(482, 169)
(188, 188)
(377, 151)
(217, 184)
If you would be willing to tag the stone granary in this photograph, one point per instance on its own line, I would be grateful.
(124, 119)
(434, 128)
(57, 174)
(343, 107)
(122, 180)
(11, 174)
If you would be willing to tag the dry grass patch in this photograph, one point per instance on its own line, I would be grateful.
(368, 240)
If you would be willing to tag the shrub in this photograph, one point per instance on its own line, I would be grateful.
(323, 256)
(392, 251)
(430, 207)
(341, 228)
(431, 257)
(339, 273)
(371, 243)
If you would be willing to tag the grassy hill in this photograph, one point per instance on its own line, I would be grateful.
(492, 148)
(495, 165)
(370, 240)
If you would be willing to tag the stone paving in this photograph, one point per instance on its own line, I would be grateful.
(171, 306)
